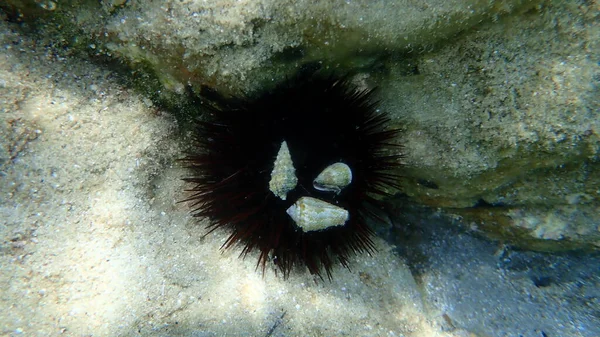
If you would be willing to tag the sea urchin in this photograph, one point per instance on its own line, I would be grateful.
(307, 127)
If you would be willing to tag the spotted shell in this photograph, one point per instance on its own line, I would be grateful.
(333, 178)
(312, 214)
(283, 176)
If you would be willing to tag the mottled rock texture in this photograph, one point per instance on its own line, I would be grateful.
(499, 99)
(240, 45)
(503, 125)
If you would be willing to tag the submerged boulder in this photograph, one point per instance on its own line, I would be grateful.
(501, 121)
(503, 126)
(237, 46)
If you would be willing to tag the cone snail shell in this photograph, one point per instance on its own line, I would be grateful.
(312, 214)
(333, 178)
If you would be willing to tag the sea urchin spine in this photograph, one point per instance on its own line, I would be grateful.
(320, 121)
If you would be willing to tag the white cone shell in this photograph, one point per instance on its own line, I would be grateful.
(312, 214)
(283, 176)
(333, 178)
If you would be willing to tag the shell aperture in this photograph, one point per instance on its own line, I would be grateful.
(283, 176)
(333, 178)
(312, 214)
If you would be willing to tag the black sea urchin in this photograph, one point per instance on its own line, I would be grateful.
(323, 120)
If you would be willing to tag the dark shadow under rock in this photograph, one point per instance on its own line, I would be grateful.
(490, 288)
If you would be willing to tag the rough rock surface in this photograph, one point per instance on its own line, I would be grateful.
(240, 45)
(502, 122)
(504, 117)
(503, 126)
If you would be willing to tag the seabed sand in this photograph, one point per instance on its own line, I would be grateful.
(94, 242)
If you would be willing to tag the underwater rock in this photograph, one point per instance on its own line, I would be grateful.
(502, 127)
(233, 46)
(499, 114)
